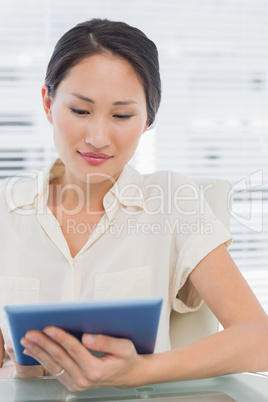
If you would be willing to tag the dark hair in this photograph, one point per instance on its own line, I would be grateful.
(98, 36)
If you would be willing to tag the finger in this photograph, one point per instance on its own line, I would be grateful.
(35, 350)
(19, 370)
(48, 352)
(56, 349)
(64, 378)
(36, 355)
(108, 344)
(72, 345)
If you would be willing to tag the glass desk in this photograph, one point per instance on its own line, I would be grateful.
(245, 387)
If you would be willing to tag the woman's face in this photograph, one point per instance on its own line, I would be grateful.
(98, 114)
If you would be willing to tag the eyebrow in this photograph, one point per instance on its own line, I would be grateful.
(118, 103)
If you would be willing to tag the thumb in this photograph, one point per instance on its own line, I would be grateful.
(108, 344)
(9, 348)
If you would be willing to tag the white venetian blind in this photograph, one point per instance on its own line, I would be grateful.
(213, 119)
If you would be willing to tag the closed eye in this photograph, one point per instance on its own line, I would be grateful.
(123, 116)
(79, 111)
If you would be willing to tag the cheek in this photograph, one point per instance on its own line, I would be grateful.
(63, 128)
(130, 137)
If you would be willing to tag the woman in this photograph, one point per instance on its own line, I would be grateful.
(98, 229)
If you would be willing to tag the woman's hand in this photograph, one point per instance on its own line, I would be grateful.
(19, 371)
(55, 349)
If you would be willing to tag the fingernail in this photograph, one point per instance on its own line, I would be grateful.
(89, 339)
(31, 337)
(25, 343)
(50, 332)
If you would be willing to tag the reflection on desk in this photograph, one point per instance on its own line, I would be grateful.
(202, 396)
(238, 387)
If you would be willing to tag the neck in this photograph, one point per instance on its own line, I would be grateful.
(81, 197)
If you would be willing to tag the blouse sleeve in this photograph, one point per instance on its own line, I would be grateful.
(200, 233)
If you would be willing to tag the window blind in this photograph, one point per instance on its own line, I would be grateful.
(213, 118)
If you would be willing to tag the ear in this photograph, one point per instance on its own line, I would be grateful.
(147, 124)
(47, 103)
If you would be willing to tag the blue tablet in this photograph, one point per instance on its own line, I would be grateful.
(135, 319)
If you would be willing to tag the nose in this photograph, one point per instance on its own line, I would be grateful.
(97, 133)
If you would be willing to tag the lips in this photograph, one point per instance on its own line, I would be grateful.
(94, 158)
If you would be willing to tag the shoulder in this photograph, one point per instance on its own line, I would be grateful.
(170, 182)
(21, 189)
(131, 175)
(17, 191)
(169, 192)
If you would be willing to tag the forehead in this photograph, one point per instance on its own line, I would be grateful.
(106, 74)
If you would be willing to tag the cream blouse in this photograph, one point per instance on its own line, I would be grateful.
(155, 230)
